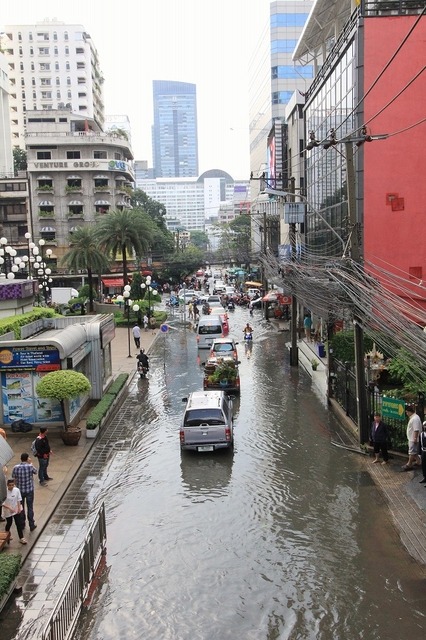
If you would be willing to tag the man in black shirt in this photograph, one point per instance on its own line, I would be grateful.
(43, 455)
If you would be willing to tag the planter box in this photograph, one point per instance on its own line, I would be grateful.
(92, 433)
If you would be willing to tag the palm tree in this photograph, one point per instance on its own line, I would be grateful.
(85, 253)
(127, 232)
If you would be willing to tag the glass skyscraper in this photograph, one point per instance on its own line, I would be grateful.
(174, 134)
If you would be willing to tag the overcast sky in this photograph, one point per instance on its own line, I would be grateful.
(206, 42)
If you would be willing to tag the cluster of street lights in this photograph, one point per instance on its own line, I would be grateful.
(28, 266)
(127, 304)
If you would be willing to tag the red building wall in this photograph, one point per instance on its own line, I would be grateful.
(395, 169)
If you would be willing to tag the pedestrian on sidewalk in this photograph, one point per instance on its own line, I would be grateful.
(137, 335)
(423, 452)
(379, 437)
(146, 322)
(23, 474)
(13, 506)
(43, 455)
(414, 429)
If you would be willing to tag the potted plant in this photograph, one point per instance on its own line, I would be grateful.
(64, 385)
(314, 364)
(224, 373)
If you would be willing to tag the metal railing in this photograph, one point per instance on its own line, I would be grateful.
(64, 616)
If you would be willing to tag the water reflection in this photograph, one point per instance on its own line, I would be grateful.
(206, 476)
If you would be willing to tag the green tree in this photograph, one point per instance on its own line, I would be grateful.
(125, 232)
(182, 264)
(162, 238)
(19, 159)
(200, 240)
(63, 385)
(85, 253)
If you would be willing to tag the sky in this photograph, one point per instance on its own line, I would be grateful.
(205, 42)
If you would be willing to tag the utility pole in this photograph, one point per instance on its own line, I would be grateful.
(294, 356)
(363, 418)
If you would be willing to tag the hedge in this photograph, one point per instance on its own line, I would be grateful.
(14, 323)
(100, 411)
(116, 386)
(10, 563)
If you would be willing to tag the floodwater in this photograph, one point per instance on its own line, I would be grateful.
(285, 537)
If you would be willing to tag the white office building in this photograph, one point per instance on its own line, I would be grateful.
(51, 65)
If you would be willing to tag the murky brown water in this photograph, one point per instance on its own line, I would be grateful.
(286, 537)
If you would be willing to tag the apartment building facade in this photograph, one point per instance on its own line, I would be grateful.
(76, 173)
(51, 65)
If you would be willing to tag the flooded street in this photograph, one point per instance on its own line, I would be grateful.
(285, 537)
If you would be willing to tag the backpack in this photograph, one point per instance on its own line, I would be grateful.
(33, 448)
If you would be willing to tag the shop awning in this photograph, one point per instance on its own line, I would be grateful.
(113, 282)
(72, 229)
(99, 177)
(48, 230)
(45, 203)
(44, 177)
(75, 203)
(121, 178)
(73, 178)
(256, 285)
(102, 203)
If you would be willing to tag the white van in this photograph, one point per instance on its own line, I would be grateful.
(209, 328)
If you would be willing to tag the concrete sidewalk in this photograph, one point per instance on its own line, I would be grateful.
(66, 461)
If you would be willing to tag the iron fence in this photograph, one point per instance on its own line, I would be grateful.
(344, 392)
(64, 616)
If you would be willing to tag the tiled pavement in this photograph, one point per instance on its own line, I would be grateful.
(62, 511)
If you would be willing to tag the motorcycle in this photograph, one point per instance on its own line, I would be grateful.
(248, 336)
(142, 370)
(231, 306)
(206, 308)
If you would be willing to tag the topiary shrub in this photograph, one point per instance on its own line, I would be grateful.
(63, 385)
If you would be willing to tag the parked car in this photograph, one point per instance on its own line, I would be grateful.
(222, 372)
(224, 347)
(207, 422)
(187, 295)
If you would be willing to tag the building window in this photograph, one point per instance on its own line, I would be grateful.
(55, 51)
(100, 155)
(288, 20)
(55, 35)
(44, 155)
(43, 51)
(293, 72)
(65, 35)
(21, 66)
(57, 67)
(32, 66)
(283, 46)
(67, 66)
(68, 81)
(30, 36)
(69, 94)
(67, 51)
(101, 183)
(58, 81)
(32, 81)
(281, 97)
(31, 51)
(20, 51)
(58, 95)
(20, 36)
(34, 95)
(73, 155)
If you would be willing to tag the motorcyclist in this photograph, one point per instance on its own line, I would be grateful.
(143, 359)
(247, 329)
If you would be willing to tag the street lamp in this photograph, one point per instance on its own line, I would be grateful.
(146, 286)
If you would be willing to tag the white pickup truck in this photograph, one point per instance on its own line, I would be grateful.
(207, 422)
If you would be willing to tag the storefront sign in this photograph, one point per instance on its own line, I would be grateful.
(40, 358)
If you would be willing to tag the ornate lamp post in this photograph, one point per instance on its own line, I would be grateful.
(146, 286)
(127, 304)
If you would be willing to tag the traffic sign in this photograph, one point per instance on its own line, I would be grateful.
(393, 408)
(164, 328)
